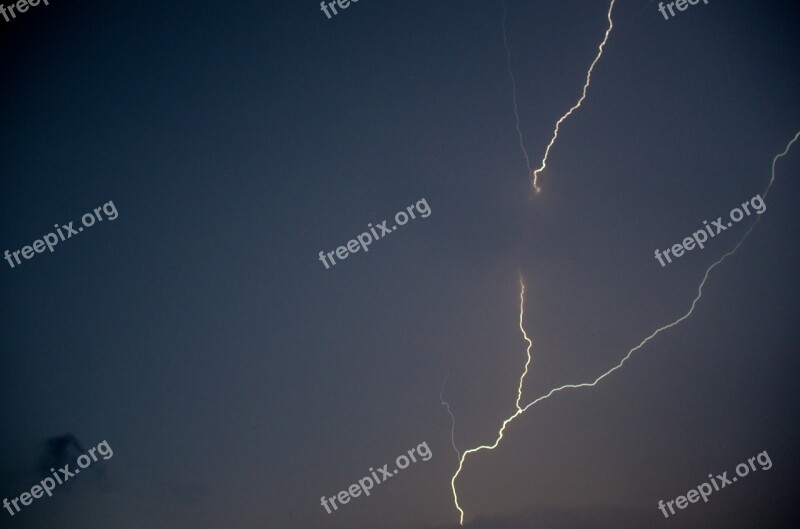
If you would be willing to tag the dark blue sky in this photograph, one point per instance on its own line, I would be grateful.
(237, 380)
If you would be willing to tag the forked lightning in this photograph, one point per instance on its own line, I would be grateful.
(521, 410)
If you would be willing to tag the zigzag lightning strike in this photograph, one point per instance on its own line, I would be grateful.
(452, 418)
(519, 395)
(576, 106)
(525, 335)
(521, 410)
(514, 89)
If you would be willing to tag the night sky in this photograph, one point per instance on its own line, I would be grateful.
(238, 380)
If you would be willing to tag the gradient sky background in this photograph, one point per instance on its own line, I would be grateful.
(237, 380)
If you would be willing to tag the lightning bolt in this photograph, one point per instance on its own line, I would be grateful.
(452, 418)
(774, 161)
(514, 88)
(525, 335)
(521, 410)
(577, 105)
(463, 456)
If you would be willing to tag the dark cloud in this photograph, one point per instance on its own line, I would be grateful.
(59, 451)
